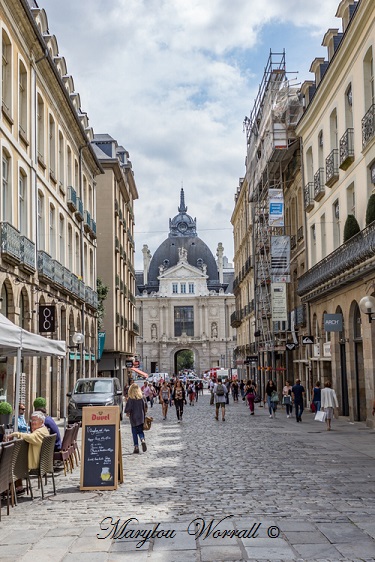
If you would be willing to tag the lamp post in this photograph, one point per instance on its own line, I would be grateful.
(367, 306)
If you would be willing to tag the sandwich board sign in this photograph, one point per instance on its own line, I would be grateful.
(101, 458)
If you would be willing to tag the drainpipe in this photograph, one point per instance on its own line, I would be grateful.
(82, 374)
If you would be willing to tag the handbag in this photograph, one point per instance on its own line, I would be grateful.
(147, 423)
(312, 407)
(274, 396)
(320, 416)
(257, 399)
(287, 400)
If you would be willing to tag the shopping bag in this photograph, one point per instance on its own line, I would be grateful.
(320, 416)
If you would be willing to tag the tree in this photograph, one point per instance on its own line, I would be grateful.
(370, 211)
(102, 291)
(185, 360)
(351, 227)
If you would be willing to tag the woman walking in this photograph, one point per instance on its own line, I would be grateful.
(178, 397)
(135, 409)
(250, 395)
(287, 399)
(164, 397)
(191, 393)
(328, 402)
(269, 397)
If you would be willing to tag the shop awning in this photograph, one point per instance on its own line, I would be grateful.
(139, 372)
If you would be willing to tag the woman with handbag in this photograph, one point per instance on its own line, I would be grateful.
(271, 398)
(179, 399)
(135, 409)
(250, 395)
(317, 396)
(287, 399)
(328, 402)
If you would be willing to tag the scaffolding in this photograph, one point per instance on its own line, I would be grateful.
(271, 138)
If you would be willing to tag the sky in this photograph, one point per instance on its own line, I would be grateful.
(172, 81)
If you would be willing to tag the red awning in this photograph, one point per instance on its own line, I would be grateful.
(139, 372)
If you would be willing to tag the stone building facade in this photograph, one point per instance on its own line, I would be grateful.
(184, 301)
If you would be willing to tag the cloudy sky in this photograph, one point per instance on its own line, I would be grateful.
(172, 80)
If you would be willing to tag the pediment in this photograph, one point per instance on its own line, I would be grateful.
(183, 271)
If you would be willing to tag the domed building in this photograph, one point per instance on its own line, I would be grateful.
(185, 301)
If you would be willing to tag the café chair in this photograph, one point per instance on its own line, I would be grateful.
(45, 463)
(66, 452)
(6, 472)
(76, 452)
(21, 466)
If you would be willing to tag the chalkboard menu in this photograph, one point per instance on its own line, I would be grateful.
(100, 447)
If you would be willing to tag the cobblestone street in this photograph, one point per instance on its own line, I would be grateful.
(311, 491)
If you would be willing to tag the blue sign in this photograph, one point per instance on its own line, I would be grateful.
(101, 342)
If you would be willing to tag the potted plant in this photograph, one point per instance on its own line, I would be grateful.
(5, 413)
(351, 228)
(39, 403)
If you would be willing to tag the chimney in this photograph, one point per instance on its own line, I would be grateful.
(220, 254)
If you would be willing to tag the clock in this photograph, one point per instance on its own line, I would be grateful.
(182, 226)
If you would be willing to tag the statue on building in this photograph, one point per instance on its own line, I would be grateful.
(213, 330)
(182, 254)
(154, 332)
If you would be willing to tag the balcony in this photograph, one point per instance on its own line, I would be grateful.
(300, 315)
(87, 221)
(354, 252)
(10, 243)
(332, 168)
(120, 215)
(347, 149)
(116, 207)
(117, 244)
(235, 319)
(81, 290)
(300, 234)
(135, 329)
(67, 279)
(72, 199)
(45, 266)
(308, 198)
(117, 282)
(27, 255)
(79, 212)
(293, 242)
(93, 229)
(319, 189)
(368, 126)
(58, 273)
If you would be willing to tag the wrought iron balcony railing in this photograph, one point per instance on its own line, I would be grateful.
(58, 273)
(87, 221)
(75, 285)
(319, 189)
(67, 279)
(355, 251)
(72, 199)
(300, 315)
(79, 212)
(347, 149)
(332, 168)
(293, 241)
(45, 266)
(93, 229)
(235, 319)
(308, 196)
(300, 234)
(368, 126)
(27, 254)
(10, 243)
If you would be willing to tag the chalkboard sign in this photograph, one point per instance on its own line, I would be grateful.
(100, 447)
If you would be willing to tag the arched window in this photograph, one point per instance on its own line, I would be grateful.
(41, 222)
(22, 203)
(6, 75)
(22, 310)
(22, 101)
(52, 231)
(70, 247)
(69, 166)
(368, 76)
(357, 323)
(40, 126)
(4, 300)
(77, 254)
(52, 148)
(62, 240)
(61, 161)
(6, 194)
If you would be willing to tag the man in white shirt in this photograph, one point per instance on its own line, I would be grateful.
(220, 394)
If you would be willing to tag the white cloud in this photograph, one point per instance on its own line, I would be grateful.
(172, 80)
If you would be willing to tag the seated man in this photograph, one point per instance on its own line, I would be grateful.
(22, 423)
(52, 427)
(34, 439)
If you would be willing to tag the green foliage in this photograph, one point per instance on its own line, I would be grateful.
(351, 227)
(5, 408)
(370, 211)
(40, 403)
(102, 291)
(185, 360)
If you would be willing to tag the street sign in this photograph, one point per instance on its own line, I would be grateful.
(129, 364)
(290, 346)
(307, 339)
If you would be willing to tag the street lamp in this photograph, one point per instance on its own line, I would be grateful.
(367, 306)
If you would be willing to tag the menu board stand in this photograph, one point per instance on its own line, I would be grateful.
(101, 465)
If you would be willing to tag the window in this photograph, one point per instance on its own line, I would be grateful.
(69, 166)
(333, 129)
(61, 160)
(183, 287)
(62, 240)
(350, 197)
(349, 107)
(70, 247)
(40, 125)
(4, 301)
(323, 235)
(368, 75)
(6, 84)
(40, 234)
(336, 224)
(22, 203)
(313, 244)
(22, 102)
(52, 148)
(91, 280)
(174, 288)
(6, 195)
(77, 264)
(52, 231)
(191, 288)
(183, 320)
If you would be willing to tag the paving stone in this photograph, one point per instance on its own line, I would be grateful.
(306, 537)
(313, 551)
(227, 553)
(44, 555)
(90, 544)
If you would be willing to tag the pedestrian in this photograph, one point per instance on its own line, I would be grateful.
(287, 399)
(328, 402)
(179, 399)
(147, 393)
(373, 408)
(316, 392)
(212, 386)
(201, 387)
(298, 393)
(196, 388)
(164, 397)
(270, 397)
(242, 389)
(135, 409)
(220, 392)
(250, 395)
(228, 386)
(235, 391)
(191, 393)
